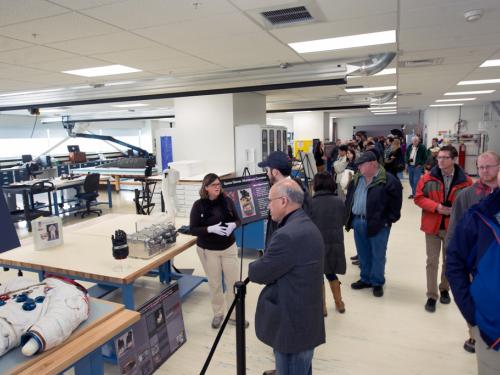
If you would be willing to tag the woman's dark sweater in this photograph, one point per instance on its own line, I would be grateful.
(206, 213)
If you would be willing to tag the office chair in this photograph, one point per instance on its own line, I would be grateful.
(90, 193)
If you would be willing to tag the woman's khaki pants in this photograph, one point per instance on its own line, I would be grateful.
(216, 263)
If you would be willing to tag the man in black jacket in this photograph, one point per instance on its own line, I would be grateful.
(278, 167)
(289, 315)
(373, 203)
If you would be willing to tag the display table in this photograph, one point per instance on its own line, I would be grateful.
(116, 173)
(86, 254)
(81, 350)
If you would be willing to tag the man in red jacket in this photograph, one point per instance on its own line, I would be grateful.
(436, 192)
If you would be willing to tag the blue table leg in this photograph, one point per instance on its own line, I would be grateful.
(56, 206)
(110, 195)
(92, 363)
(165, 272)
(128, 296)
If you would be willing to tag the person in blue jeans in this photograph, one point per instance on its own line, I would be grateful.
(416, 157)
(373, 203)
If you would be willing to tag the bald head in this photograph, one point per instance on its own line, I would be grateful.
(284, 197)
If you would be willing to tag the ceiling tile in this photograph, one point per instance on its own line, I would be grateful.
(57, 28)
(33, 55)
(136, 56)
(104, 44)
(79, 4)
(135, 14)
(14, 11)
(213, 27)
(7, 44)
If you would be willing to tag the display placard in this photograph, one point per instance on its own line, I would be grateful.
(153, 339)
(47, 232)
(250, 196)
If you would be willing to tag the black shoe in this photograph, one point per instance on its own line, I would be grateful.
(470, 345)
(355, 262)
(410, 196)
(355, 257)
(378, 291)
(430, 305)
(445, 297)
(269, 372)
(360, 284)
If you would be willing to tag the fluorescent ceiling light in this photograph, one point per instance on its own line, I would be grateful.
(381, 73)
(447, 105)
(131, 105)
(51, 110)
(386, 72)
(470, 92)
(100, 71)
(30, 92)
(387, 113)
(388, 103)
(478, 82)
(392, 110)
(489, 63)
(370, 89)
(119, 83)
(455, 100)
(345, 42)
(381, 108)
(81, 87)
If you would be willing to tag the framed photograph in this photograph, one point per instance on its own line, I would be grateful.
(47, 232)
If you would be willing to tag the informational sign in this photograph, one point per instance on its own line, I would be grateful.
(167, 155)
(47, 232)
(249, 194)
(8, 235)
(152, 340)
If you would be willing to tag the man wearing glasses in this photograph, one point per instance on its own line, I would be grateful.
(289, 315)
(487, 167)
(436, 194)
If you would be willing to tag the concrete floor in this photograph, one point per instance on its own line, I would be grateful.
(392, 335)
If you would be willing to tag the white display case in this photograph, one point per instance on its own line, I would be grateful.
(253, 143)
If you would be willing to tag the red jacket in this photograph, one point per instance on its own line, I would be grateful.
(430, 193)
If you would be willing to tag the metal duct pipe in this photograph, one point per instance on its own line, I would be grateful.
(382, 99)
(372, 65)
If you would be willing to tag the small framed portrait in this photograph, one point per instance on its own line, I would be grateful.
(47, 232)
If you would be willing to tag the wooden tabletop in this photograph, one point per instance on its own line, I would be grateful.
(87, 252)
(107, 319)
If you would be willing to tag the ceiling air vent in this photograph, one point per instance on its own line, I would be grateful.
(288, 16)
(422, 63)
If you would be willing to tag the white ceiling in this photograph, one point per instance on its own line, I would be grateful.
(192, 40)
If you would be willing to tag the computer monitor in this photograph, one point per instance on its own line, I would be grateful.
(45, 161)
(73, 148)
(27, 158)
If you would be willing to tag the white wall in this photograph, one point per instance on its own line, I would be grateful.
(308, 125)
(249, 108)
(444, 119)
(204, 130)
(345, 125)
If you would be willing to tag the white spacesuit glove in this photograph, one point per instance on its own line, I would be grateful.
(31, 347)
(217, 229)
(229, 229)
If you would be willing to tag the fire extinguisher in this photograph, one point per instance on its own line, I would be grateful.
(461, 155)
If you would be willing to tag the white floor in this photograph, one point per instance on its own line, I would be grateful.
(392, 335)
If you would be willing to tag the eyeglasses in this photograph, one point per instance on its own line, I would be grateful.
(486, 167)
(273, 199)
(443, 157)
(214, 184)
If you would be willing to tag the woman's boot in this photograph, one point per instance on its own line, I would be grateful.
(337, 296)
(325, 312)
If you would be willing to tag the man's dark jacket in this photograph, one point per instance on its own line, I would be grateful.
(289, 315)
(383, 201)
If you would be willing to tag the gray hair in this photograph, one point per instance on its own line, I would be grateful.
(290, 189)
(491, 154)
(415, 137)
